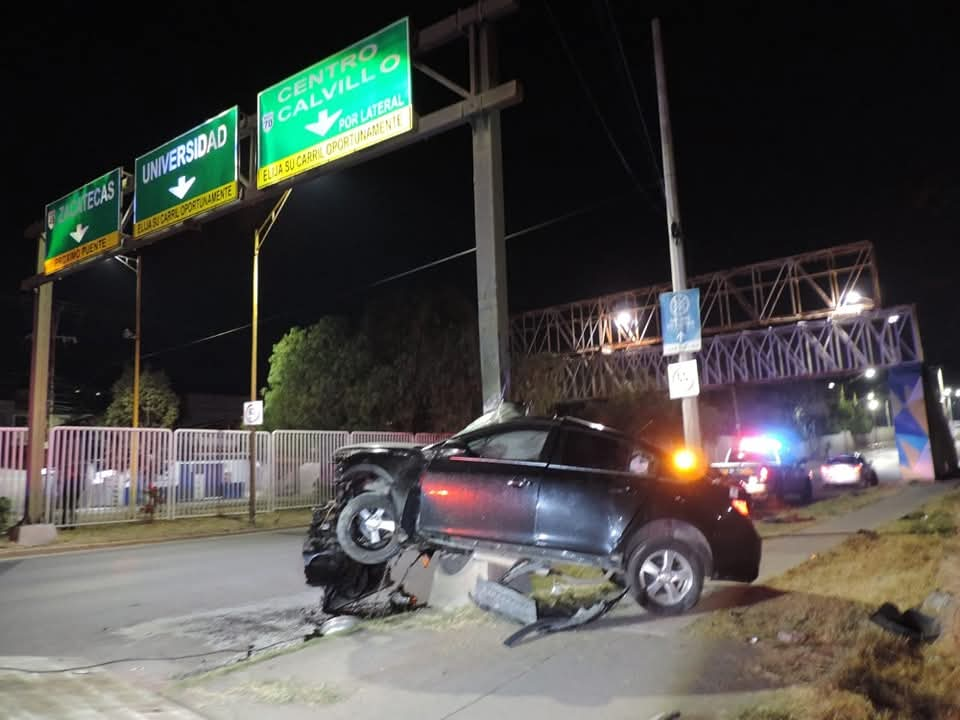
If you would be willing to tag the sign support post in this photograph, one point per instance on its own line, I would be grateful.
(39, 386)
(489, 226)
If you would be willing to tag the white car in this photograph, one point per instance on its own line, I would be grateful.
(851, 470)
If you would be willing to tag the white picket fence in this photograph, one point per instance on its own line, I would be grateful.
(188, 473)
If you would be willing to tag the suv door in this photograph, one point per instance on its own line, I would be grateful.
(485, 486)
(588, 494)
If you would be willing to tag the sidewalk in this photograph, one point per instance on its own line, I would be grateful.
(80, 694)
(431, 667)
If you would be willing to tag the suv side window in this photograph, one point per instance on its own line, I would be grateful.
(591, 450)
(521, 445)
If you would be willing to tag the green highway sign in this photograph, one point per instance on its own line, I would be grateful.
(84, 223)
(350, 101)
(193, 173)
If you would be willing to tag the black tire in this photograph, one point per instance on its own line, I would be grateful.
(353, 532)
(874, 479)
(683, 560)
(806, 494)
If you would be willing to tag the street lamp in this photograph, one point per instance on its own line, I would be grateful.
(831, 385)
(259, 237)
(873, 404)
(870, 373)
(893, 319)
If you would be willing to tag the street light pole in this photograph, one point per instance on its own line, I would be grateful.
(135, 265)
(678, 270)
(259, 237)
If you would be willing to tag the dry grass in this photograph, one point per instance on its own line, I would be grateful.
(853, 669)
(134, 532)
(799, 518)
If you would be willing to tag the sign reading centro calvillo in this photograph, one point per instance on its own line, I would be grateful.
(193, 173)
(354, 99)
(84, 223)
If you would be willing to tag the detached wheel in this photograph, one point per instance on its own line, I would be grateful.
(367, 528)
(665, 576)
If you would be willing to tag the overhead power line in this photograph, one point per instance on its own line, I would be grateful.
(426, 266)
(611, 19)
(596, 107)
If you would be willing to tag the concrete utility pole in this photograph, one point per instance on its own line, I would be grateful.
(678, 269)
(489, 223)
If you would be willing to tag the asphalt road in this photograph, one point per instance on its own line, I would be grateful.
(164, 599)
(174, 599)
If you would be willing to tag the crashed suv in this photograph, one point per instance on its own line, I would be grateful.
(556, 490)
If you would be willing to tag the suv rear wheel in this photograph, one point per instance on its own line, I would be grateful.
(665, 575)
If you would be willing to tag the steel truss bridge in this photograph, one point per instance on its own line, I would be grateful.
(812, 315)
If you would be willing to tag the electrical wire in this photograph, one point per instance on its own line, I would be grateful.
(426, 266)
(248, 652)
(611, 19)
(596, 107)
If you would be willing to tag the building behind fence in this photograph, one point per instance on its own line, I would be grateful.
(107, 475)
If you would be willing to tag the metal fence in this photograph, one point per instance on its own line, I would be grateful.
(303, 466)
(212, 473)
(368, 436)
(186, 473)
(13, 470)
(89, 471)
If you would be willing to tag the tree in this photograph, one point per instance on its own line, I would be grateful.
(321, 377)
(537, 381)
(159, 404)
(408, 363)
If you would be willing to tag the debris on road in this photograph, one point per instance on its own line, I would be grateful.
(911, 623)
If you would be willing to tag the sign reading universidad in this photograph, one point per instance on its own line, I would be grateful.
(84, 223)
(189, 175)
(350, 101)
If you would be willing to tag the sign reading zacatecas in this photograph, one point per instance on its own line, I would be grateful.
(354, 99)
(193, 173)
(84, 223)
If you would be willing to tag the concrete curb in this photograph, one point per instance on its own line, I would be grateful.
(42, 550)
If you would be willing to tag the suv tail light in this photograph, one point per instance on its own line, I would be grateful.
(741, 506)
(763, 474)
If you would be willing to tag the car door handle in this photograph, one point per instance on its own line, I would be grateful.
(621, 489)
(518, 482)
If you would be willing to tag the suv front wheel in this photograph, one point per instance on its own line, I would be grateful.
(665, 576)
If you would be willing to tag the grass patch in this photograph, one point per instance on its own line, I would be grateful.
(287, 692)
(432, 620)
(817, 631)
(166, 530)
(798, 518)
(570, 587)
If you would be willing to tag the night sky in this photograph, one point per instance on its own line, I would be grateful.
(798, 126)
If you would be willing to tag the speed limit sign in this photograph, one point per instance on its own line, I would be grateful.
(253, 412)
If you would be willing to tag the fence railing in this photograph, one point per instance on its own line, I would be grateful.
(212, 473)
(98, 475)
(108, 475)
(13, 470)
(303, 466)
